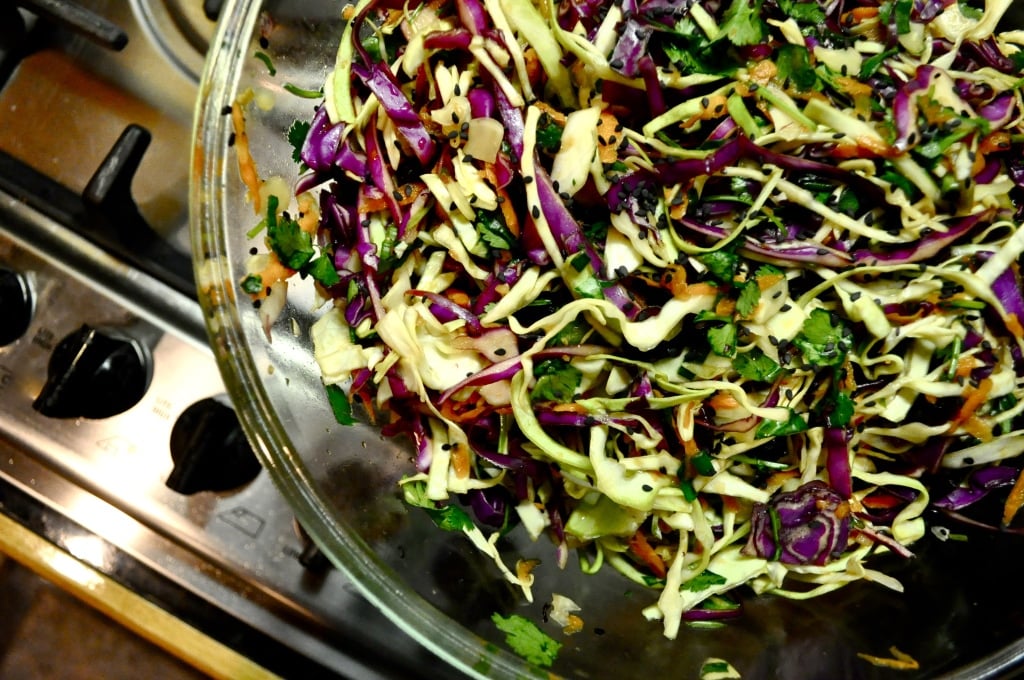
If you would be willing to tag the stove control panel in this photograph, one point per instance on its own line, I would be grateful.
(123, 425)
(15, 305)
(94, 373)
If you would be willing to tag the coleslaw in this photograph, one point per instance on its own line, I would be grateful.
(715, 294)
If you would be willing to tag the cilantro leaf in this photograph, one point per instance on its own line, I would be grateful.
(549, 135)
(794, 64)
(571, 335)
(872, 64)
(839, 410)
(297, 134)
(252, 284)
(750, 295)
(808, 12)
(589, 287)
(596, 232)
(722, 264)
(557, 380)
(450, 518)
(823, 340)
(293, 246)
(723, 340)
(703, 581)
(447, 517)
(493, 231)
(742, 23)
(527, 640)
(756, 365)
(340, 405)
(779, 428)
(323, 272)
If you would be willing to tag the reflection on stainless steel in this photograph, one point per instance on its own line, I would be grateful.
(235, 551)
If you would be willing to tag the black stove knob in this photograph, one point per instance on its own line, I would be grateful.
(15, 306)
(209, 450)
(94, 374)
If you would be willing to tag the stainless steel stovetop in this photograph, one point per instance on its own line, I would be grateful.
(105, 376)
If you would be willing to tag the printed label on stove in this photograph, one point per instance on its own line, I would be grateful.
(244, 520)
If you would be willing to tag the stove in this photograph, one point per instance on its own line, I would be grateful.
(117, 441)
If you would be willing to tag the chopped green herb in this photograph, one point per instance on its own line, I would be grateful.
(870, 65)
(323, 272)
(723, 340)
(824, 340)
(527, 640)
(557, 380)
(780, 428)
(750, 295)
(293, 246)
(703, 581)
(297, 134)
(448, 517)
(718, 669)
(302, 92)
(721, 263)
(572, 334)
(703, 465)
(839, 410)
(549, 137)
(794, 64)
(808, 12)
(742, 23)
(756, 365)
(492, 231)
(340, 405)
(267, 61)
(252, 284)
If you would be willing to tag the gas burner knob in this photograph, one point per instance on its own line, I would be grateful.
(16, 306)
(209, 450)
(94, 374)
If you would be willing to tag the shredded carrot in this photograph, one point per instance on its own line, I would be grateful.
(701, 289)
(853, 87)
(674, 279)
(977, 427)
(639, 546)
(723, 400)
(1014, 501)
(457, 296)
(725, 307)
(766, 281)
(460, 461)
(609, 136)
(1013, 325)
(309, 214)
(461, 412)
(858, 15)
(271, 274)
(964, 366)
(574, 626)
(899, 660)
(974, 397)
(246, 163)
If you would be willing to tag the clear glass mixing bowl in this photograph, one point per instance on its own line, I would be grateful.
(961, 615)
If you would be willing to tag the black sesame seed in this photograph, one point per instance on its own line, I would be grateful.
(535, 212)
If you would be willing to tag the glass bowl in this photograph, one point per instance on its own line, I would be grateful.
(960, 615)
